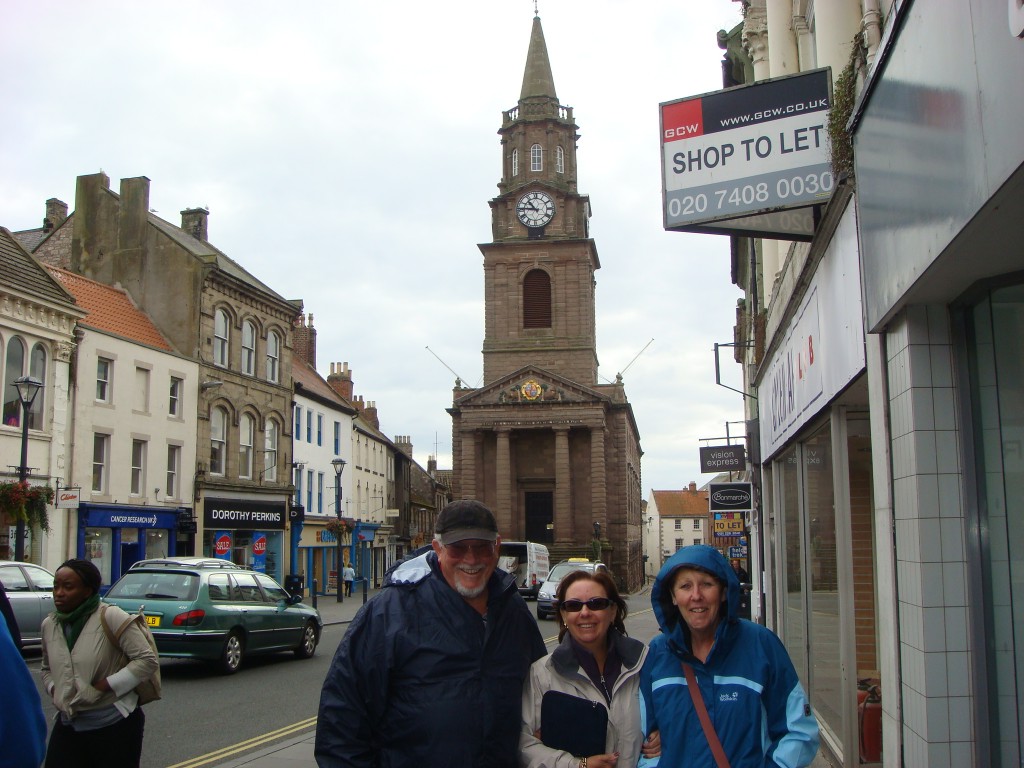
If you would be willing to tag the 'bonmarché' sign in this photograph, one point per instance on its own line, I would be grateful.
(730, 497)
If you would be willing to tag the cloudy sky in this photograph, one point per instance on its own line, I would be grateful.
(346, 152)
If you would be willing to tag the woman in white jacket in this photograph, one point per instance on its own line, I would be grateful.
(99, 723)
(594, 660)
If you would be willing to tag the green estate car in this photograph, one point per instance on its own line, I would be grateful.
(217, 614)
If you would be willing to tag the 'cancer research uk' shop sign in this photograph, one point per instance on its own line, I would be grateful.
(748, 160)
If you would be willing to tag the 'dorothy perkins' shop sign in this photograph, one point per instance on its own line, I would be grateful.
(748, 160)
(238, 513)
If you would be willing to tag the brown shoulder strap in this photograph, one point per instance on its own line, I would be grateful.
(111, 636)
(709, 730)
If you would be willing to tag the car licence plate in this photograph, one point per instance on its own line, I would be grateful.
(153, 621)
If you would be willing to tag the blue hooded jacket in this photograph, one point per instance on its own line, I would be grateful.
(421, 679)
(748, 683)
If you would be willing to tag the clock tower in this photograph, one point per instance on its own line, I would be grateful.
(552, 451)
(539, 269)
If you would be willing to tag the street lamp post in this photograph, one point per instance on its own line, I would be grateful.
(28, 388)
(339, 466)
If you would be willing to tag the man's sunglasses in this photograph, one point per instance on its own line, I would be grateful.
(575, 606)
(459, 550)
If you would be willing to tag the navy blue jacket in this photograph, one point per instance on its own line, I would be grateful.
(422, 679)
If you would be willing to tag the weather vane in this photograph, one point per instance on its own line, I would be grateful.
(535, 11)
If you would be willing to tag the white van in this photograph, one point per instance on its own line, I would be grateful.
(528, 562)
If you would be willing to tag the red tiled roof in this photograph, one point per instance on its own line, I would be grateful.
(111, 310)
(685, 502)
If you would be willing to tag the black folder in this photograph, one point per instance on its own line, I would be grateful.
(573, 724)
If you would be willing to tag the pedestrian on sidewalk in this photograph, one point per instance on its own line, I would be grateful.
(348, 574)
(90, 680)
(431, 669)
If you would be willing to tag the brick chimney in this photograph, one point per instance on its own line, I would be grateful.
(133, 214)
(404, 444)
(304, 341)
(432, 466)
(693, 487)
(370, 413)
(56, 214)
(340, 379)
(194, 222)
(88, 247)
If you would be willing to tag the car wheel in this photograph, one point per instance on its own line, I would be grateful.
(309, 640)
(231, 656)
(540, 613)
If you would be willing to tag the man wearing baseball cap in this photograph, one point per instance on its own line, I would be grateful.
(431, 669)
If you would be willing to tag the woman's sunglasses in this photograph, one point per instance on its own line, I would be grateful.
(575, 606)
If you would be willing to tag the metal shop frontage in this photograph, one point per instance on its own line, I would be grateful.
(247, 532)
(113, 536)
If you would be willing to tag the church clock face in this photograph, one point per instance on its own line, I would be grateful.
(535, 209)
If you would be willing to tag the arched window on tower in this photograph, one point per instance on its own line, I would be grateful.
(515, 162)
(536, 158)
(537, 299)
(560, 160)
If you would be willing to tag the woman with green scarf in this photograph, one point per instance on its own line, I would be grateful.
(99, 723)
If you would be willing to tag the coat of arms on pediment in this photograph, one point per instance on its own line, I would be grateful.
(530, 386)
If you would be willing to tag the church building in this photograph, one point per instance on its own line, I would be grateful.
(552, 451)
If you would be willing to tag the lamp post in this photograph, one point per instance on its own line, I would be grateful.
(28, 388)
(339, 466)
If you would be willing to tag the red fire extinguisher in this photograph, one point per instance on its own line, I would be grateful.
(869, 717)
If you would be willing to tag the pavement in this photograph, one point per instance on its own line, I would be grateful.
(297, 751)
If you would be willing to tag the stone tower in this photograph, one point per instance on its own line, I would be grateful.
(553, 452)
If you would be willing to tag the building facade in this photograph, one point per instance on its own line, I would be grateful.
(239, 330)
(552, 451)
(883, 356)
(37, 338)
(134, 422)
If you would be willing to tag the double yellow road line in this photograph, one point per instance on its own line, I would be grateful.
(226, 753)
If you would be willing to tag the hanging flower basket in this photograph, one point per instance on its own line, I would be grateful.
(21, 501)
(338, 527)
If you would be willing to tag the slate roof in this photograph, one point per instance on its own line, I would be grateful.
(681, 503)
(20, 271)
(203, 250)
(111, 310)
(31, 238)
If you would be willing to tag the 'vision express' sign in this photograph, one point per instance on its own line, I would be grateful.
(722, 458)
(242, 513)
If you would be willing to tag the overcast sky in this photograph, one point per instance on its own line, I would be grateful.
(347, 152)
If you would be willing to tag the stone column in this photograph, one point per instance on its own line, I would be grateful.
(564, 533)
(469, 464)
(598, 481)
(503, 485)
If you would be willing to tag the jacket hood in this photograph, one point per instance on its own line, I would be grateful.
(700, 556)
(423, 561)
(410, 570)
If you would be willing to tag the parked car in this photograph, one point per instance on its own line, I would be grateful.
(176, 561)
(546, 593)
(29, 589)
(528, 562)
(217, 614)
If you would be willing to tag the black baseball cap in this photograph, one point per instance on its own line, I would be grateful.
(465, 519)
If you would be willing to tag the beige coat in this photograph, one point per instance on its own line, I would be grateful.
(68, 675)
(560, 671)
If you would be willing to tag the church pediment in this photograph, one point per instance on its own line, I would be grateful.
(530, 386)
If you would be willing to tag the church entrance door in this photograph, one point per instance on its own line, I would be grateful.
(540, 511)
